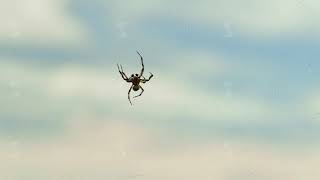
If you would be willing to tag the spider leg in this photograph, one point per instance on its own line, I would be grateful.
(151, 75)
(120, 71)
(143, 79)
(129, 95)
(123, 75)
(123, 72)
(142, 70)
(146, 80)
(140, 93)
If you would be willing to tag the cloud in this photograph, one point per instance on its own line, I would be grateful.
(66, 86)
(311, 104)
(252, 18)
(38, 21)
(165, 93)
(121, 149)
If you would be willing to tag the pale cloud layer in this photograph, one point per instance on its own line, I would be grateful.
(105, 86)
(123, 150)
(47, 20)
(311, 105)
(38, 21)
(252, 18)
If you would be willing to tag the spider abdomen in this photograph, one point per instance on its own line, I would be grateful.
(136, 87)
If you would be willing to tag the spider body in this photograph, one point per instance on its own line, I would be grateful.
(135, 79)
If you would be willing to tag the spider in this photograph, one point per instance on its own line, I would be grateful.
(135, 79)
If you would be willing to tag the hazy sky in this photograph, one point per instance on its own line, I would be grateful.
(235, 93)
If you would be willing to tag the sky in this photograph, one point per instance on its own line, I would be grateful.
(235, 93)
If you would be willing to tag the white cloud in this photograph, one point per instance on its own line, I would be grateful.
(40, 21)
(125, 150)
(262, 18)
(310, 104)
(166, 92)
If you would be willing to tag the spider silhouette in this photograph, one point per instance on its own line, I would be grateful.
(135, 79)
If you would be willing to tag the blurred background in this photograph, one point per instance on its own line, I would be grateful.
(235, 93)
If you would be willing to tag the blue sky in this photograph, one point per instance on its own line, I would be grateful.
(235, 93)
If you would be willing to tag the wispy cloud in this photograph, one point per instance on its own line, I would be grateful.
(124, 150)
(37, 21)
(252, 18)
